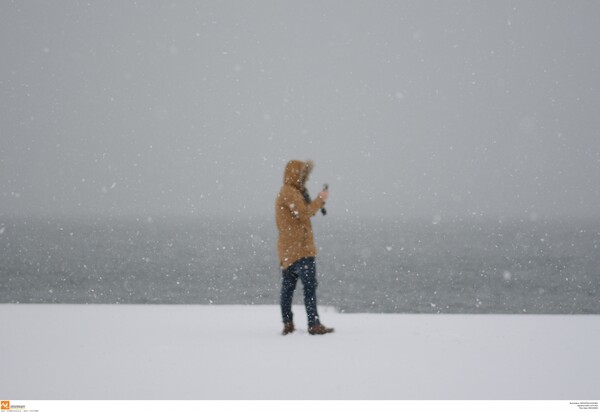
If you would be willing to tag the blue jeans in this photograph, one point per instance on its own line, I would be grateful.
(306, 270)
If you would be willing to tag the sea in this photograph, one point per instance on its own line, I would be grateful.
(365, 265)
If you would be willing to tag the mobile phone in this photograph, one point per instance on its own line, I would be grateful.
(325, 187)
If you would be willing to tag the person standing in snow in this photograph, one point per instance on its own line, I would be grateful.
(296, 246)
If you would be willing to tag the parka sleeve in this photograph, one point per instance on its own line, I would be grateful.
(298, 208)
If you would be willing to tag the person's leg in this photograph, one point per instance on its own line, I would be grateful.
(308, 275)
(288, 285)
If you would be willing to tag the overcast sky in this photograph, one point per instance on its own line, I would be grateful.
(408, 108)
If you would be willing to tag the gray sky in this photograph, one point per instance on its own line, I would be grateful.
(429, 108)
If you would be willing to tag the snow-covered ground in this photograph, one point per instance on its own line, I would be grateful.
(237, 352)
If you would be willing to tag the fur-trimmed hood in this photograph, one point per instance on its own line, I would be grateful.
(297, 173)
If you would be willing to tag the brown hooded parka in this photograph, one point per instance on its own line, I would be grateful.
(293, 213)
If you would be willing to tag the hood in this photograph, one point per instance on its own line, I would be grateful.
(297, 173)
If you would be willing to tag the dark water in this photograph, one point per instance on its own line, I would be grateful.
(371, 265)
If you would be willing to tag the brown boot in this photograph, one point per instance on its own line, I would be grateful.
(319, 330)
(288, 327)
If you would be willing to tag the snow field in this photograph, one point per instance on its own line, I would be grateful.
(237, 352)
